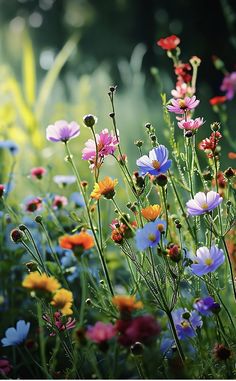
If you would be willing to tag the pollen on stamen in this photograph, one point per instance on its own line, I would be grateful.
(156, 164)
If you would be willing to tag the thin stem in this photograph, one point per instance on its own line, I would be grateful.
(230, 267)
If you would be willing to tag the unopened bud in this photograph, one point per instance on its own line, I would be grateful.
(161, 180)
(138, 143)
(16, 235)
(215, 126)
(137, 349)
(229, 173)
(90, 120)
(38, 219)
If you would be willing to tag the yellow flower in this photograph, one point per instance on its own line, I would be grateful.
(62, 300)
(104, 188)
(36, 281)
(126, 303)
(151, 212)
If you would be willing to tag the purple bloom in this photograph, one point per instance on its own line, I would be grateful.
(150, 234)
(15, 336)
(207, 260)
(229, 85)
(186, 322)
(206, 306)
(62, 131)
(180, 106)
(203, 203)
(156, 163)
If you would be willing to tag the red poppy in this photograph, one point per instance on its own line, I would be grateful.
(217, 100)
(169, 43)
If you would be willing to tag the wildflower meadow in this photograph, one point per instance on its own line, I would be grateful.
(115, 263)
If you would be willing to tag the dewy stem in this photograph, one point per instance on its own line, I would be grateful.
(100, 251)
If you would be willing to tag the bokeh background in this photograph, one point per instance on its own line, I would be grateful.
(102, 43)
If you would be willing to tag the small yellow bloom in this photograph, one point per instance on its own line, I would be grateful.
(62, 300)
(151, 212)
(36, 281)
(126, 303)
(104, 188)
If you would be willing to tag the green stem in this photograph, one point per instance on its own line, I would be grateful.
(230, 267)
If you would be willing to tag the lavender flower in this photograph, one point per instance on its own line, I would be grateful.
(149, 235)
(207, 260)
(156, 163)
(63, 180)
(186, 322)
(203, 203)
(62, 131)
(229, 85)
(15, 336)
(206, 306)
(10, 145)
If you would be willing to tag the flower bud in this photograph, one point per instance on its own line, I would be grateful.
(188, 134)
(90, 120)
(137, 349)
(112, 89)
(215, 308)
(186, 315)
(112, 114)
(221, 352)
(148, 126)
(88, 302)
(22, 227)
(31, 266)
(16, 235)
(38, 219)
(138, 143)
(229, 173)
(215, 126)
(207, 175)
(161, 180)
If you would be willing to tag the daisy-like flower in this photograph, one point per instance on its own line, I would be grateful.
(150, 234)
(106, 144)
(181, 106)
(207, 260)
(191, 124)
(182, 90)
(151, 212)
(186, 322)
(101, 332)
(104, 188)
(63, 180)
(126, 303)
(62, 300)
(62, 131)
(59, 202)
(203, 203)
(78, 243)
(38, 172)
(15, 336)
(229, 85)
(40, 282)
(169, 43)
(157, 162)
(33, 204)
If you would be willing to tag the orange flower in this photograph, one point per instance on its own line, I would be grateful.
(104, 188)
(77, 242)
(41, 282)
(232, 155)
(151, 212)
(62, 300)
(126, 303)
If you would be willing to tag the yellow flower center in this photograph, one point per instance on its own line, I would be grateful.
(152, 237)
(185, 324)
(156, 164)
(182, 104)
(204, 205)
(208, 261)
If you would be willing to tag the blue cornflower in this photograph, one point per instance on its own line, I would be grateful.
(156, 163)
(186, 322)
(15, 336)
(207, 260)
(10, 145)
(206, 306)
(150, 234)
(63, 180)
(78, 199)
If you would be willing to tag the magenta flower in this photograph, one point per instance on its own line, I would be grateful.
(58, 323)
(180, 106)
(207, 260)
(38, 172)
(62, 131)
(157, 162)
(106, 145)
(59, 202)
(191, 124)
(229, 85)
(203, 203)
(101, 332)
(182, 90)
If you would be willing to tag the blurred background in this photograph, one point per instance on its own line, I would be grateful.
(59, 57)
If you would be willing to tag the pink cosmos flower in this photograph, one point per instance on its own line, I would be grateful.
(191, 124)
(101, 332)
(229, 85)
(33, 204)
(59, 202)
(180, 106)
(182, 90)
(203, 203)
(106, 145)
(58, 323)
(62, 131)
(38, 172)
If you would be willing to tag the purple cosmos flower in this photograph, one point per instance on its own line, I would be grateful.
(206, 306)
(191, 124)
(186, 322)
(156, 163)
(62, 131)
(15, 336)
(64, 180)
(229, 85)
(203, 203)
(207, 260)
(150, 234)
(180, 106)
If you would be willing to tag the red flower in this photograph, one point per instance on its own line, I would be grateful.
(38, 172)
(2, 188)
(217, 100)
(232, 155)
(33, 204)
(182, 71)
(168, 43)
(210, 143)
(142, 329)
